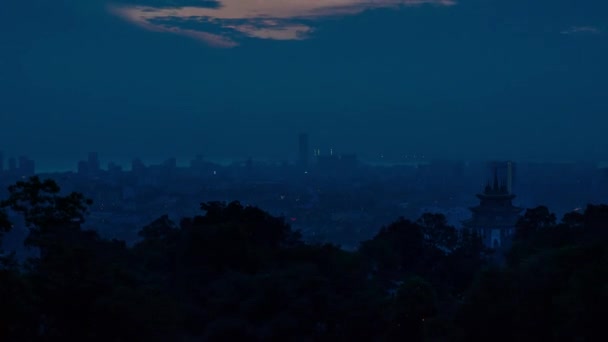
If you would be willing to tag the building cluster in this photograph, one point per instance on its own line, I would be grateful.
(328, 196)
(328, 163)
(16, 167)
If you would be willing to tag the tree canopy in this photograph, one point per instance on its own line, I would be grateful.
(235, 272)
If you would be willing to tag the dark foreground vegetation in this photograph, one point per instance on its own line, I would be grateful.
(235, 273)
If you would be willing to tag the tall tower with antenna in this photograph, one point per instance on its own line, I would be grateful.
(303, 153)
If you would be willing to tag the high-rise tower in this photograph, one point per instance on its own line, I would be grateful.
(12, 164)
(93, 163)
(27, 167)
(303, 151)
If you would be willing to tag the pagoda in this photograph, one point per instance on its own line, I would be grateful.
(495, 217)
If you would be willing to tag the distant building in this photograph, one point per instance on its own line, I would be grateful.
(83, 168)
(12, 164)
(170, 163)
(114, 168)
(27, 167)
(93, 163)
(343, 164)
(199, 166)
(348, 161)
(249, 166)
(137, 166)
(198, 162)
(495, 217)
(166, 169)
(303, 151)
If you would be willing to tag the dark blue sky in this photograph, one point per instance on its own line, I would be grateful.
(468, 79)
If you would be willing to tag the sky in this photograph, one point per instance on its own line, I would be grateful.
(456, 79)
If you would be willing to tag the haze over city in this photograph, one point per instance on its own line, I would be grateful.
(468, 79)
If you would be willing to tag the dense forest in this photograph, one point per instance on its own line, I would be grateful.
(235, 273)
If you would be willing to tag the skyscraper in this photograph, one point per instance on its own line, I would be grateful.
(12, 164)
(83, 168)
(303, 151)
(137, 166)
(27, 167)
(93, 163)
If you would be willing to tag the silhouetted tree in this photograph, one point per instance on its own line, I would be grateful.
(534, 220)
(49, 216)
(437, 232)
(553, 288)
(5, 224)
(414, 306)
(82, 287)
(237, 273)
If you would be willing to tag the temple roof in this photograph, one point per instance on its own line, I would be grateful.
(496, 209)
(472, 223)
(496, 189)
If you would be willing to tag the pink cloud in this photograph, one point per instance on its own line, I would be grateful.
(262, 19)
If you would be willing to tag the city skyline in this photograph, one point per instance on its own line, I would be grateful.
(106, 162)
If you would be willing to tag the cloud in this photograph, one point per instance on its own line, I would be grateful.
(581, 30)
(262, 19)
